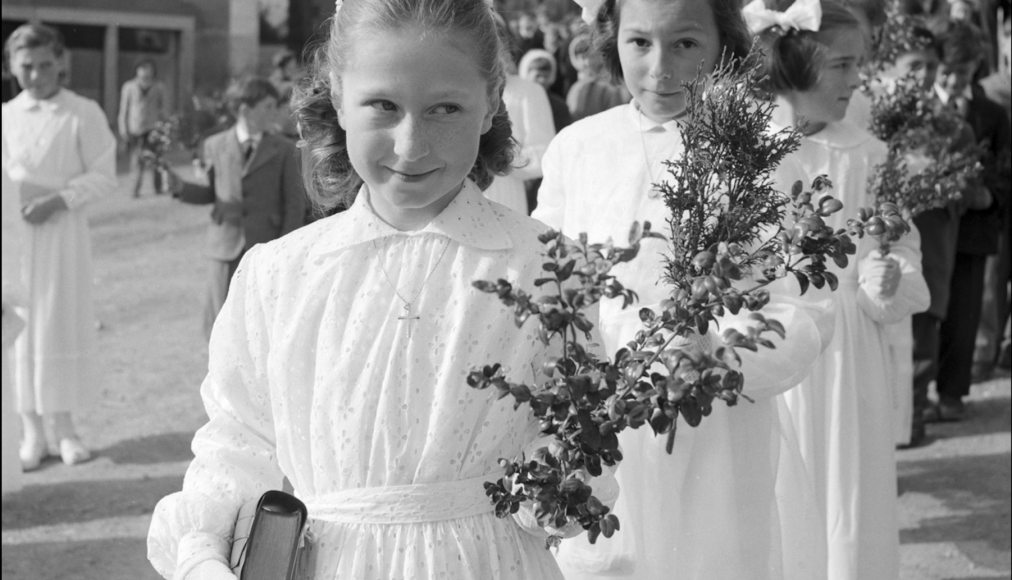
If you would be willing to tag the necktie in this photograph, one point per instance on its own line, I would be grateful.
(247, 150)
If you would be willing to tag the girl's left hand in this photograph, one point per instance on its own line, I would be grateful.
(40, 210)
(881, 274)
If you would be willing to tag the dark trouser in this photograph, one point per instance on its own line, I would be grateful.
(135, 148)
(926, 329)
(959, 329)
(994, 314)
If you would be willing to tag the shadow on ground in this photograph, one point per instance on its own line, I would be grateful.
(974, 490)
(83, 501)
(112, 558)
(151, 449)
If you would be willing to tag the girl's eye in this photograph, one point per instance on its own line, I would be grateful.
(446, 109)
(385, 106)
(686, 43)
(639, 42)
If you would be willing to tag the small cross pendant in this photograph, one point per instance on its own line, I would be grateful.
(409, 316)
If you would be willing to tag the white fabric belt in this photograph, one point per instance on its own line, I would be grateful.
(404, 504)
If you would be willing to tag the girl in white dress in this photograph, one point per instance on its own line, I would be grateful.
(844, 408)
(59, 155)
(339, 360)
(710, 509)
(14, 234)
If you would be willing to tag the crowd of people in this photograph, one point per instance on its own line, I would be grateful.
(429, 144)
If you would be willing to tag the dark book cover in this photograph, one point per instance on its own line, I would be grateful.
(268, 537)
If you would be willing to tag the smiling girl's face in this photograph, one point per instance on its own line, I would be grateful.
(661, 44)
(414, 107)
(827, 101)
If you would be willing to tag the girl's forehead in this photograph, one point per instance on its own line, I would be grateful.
(35, 54)
(666, 16)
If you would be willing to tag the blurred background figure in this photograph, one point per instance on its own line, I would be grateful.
(531, 113)
(593, 92)
(253, 182)
(993, 343)
(59, 155)
(143, 103)
(284, 77)
(14, 241)
(539, 66)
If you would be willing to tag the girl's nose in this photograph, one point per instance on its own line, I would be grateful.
(659, 68)
(410, 143)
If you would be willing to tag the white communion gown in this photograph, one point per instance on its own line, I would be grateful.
(845, 409)
(14, 238)
(316, 376)
(711, 509)
(63, 143)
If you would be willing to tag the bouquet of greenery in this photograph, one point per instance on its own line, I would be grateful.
(932, 158)
(727, 241)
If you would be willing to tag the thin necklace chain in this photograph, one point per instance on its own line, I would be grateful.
(409, 315)
(655, 191)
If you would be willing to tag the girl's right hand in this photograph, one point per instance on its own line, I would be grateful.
(210, 570)
(879, 275)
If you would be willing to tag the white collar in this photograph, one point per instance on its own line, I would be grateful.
(944, 96)
(27, 102)
(243, 135)
(647, 125)
(470, 219)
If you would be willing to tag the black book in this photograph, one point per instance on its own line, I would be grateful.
(269, 538)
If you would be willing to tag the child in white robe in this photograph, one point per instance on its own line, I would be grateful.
(710, 509)
(844, 409)
(61, 155)
(13, 294)
(339, 360)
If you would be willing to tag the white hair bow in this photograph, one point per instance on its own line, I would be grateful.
(802, 15)
(590, 9)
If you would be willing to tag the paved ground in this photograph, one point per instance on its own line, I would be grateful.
(89, 522)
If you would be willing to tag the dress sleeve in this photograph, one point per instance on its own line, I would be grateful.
(96, 147)
(551, 207)
(538, 131)
(235, 457)
(808, 321)
(911, 296)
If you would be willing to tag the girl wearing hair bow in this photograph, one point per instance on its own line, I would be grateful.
(843, 411)
(709, 510)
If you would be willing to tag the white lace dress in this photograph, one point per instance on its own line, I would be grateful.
(845, 409)
(712, 509)
(314, 376)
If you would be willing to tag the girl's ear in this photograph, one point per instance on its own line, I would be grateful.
(493, 107)
(335, 99)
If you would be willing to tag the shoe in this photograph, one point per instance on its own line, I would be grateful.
(32, 454)
(918, 437)
(73, 452)
(981, 372)
(950, 409)
(1005, 358)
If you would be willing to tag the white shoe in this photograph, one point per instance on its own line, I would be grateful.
(32, 455)
(73, 452)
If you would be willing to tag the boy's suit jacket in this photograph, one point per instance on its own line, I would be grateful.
(254, 202)
(979, 229)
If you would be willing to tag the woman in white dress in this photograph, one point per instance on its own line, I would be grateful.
(710, 509)
(340, 358)
(60, 155)
(844, 409)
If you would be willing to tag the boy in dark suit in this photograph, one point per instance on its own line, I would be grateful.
(253, 180)
(981, 224)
